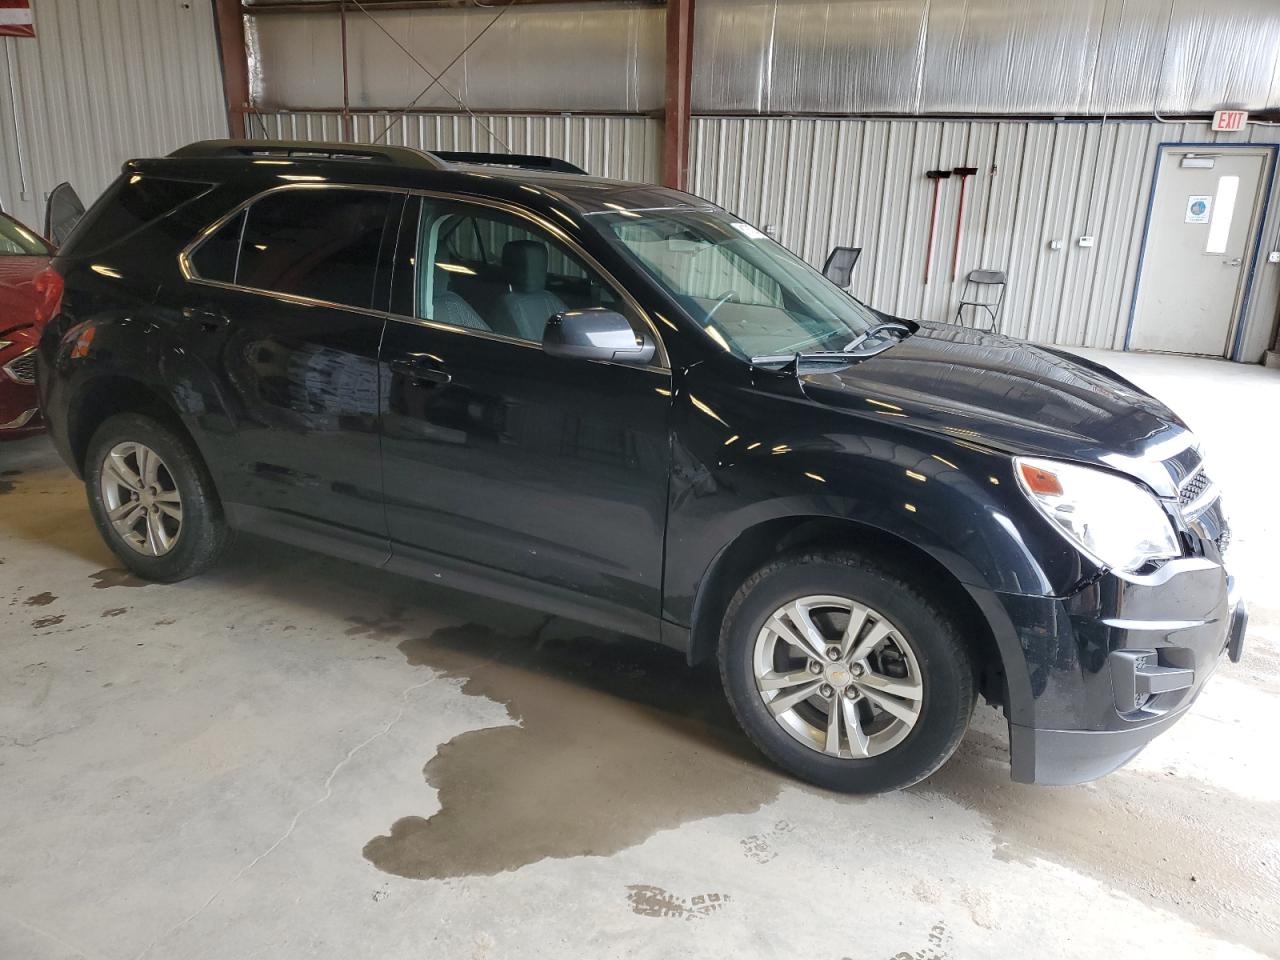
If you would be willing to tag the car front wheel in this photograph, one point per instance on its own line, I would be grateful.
(845, 674)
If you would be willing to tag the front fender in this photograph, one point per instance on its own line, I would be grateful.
(946, 495)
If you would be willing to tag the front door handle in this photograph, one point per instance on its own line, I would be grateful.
(1233, 262)
(421, 368)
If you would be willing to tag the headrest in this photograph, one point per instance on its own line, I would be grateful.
(524, 263)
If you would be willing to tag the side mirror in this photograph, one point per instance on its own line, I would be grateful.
(596, 333)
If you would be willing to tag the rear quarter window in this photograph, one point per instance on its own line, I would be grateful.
(131, 203)
(215, 258)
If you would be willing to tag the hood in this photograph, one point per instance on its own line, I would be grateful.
(1022, 399)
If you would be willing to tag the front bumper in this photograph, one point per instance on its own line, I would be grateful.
(19, 410)
(1115, 665)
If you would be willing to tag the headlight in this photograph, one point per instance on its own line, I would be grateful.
(1113, 520)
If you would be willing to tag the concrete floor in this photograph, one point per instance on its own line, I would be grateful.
(296, 757)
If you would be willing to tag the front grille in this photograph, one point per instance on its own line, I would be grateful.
(22, 369)
(1193, 489)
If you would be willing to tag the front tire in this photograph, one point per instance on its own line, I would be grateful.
(152, 499)
(845, 674)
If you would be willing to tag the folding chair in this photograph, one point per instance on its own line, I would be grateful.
(988, 293)
(839, 266)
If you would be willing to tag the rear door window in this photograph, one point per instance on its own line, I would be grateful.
(319, 244)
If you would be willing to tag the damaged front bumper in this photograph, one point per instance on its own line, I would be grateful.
(1117, 664)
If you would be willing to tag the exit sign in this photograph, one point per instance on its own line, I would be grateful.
(1229, 121)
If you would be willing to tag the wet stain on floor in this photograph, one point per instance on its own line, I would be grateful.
(618, 739)
(115, 611)
(40, 600)
(1162, 839)
(116, 577)
(378, 628)
(43, 622)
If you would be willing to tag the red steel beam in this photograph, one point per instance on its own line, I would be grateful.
(229, 19)
(679, 85)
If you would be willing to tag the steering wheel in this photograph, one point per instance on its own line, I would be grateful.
(719, 303)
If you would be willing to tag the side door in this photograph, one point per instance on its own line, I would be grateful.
(505, 469)
(281, 314)
(1205, 214)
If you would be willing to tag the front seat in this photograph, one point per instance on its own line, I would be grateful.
(449, 307)
(525, 309)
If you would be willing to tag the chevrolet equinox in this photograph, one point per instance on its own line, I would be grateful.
(622, 404)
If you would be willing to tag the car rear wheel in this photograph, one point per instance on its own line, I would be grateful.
(153, 499)
(845, 674)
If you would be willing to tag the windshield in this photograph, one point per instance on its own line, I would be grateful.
(752, 296)
(17, 241)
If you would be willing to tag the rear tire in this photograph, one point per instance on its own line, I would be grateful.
(153, 499)
(812, 634)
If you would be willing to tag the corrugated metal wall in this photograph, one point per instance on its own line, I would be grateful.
(625, 148)
(981, 57)
(819, 183)
(908, 57)
(102, 82)
(569, 56)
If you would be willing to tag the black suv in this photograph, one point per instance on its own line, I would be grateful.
(624, 405)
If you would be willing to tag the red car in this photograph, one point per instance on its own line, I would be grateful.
(29, 294)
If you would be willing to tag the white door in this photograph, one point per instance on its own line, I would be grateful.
(1203, 222)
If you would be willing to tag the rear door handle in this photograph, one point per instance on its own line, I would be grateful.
(209, 320)
(422, 368)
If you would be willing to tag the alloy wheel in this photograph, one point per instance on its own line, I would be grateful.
(838, 676)
(141, 499)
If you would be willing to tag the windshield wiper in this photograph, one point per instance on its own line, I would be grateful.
(853, 350)
(830, 356)
(879, 328)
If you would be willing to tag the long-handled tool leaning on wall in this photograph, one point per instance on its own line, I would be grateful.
(964, 173)
(937, 176)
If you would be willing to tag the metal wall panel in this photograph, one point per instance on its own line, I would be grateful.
(984, 57)
(104, 81)
(572, 56)
(817, 183)
(625, 148)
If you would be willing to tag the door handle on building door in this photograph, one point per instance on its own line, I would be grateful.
(1233, 262)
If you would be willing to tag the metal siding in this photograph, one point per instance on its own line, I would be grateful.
(985, 57)
(971, 57)
(825, 182)
(103, 82)
(624, 148)
(531, 58)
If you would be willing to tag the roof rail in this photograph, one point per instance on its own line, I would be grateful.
(310, 150)
(524, 160)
